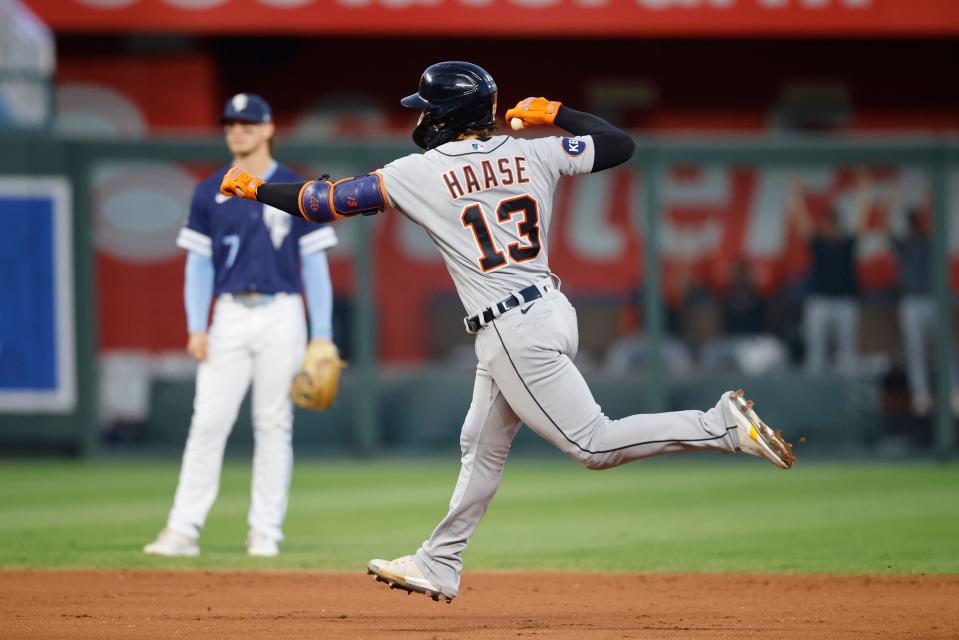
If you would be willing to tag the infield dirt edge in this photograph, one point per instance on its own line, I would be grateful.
(215, 603)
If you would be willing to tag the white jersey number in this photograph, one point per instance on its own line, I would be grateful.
(233, 242)
(528, 227)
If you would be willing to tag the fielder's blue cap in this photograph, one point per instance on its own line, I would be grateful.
(247, 107)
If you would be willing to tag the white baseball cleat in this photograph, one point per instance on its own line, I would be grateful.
(173, 544)
(403, 573)
(755, 437)
(260, 545)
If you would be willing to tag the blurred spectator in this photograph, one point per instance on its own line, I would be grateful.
(697, 320)
(917, 307)
(746, 346)
(631, 351)
(744, 309)
(832, 307)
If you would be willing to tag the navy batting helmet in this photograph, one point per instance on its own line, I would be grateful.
(454, 96)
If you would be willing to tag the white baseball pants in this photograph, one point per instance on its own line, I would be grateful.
(525, 373)
(917, 320)
(825, 315)
(263, 345)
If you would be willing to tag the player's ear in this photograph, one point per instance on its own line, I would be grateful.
(269, 130)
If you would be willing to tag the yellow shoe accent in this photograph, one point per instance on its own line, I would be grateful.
(762, 441)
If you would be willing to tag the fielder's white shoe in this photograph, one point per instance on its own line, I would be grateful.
(755, 437)
(260, 545)
(173, 544)
(403, 573)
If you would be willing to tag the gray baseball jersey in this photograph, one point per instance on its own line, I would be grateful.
(487, 205)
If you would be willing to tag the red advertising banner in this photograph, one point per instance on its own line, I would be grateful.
(509, 17)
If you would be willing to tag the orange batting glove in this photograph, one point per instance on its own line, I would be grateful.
(238, 182)
(534, 111)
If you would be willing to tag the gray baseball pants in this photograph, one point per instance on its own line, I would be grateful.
(526, 374)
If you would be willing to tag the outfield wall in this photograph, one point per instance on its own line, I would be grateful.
(421, 412)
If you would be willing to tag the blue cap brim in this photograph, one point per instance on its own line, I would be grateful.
(239, 118)
(414, 101)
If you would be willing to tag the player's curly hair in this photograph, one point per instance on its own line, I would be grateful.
(483, 132)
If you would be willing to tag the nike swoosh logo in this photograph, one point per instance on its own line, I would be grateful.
(221, 198)
(523, 311)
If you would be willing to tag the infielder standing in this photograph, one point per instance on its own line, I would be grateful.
(256, 261)
(486, 202)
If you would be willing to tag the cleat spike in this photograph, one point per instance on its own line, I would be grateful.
(756, 437)
(403, 574)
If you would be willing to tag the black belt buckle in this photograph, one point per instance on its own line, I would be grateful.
(527, 294)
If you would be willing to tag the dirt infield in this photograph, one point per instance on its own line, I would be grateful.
(287, 606)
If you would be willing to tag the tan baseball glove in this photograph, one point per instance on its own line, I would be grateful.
(315, 386)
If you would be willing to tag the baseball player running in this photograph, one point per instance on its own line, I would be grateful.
(256, 261)
(486, 201)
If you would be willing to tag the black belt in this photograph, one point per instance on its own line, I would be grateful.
(487, 315)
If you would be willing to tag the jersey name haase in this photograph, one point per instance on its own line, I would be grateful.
(463, 180)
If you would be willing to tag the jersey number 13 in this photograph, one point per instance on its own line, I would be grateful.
(492, 257)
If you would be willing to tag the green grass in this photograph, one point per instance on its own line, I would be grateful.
(663, 515)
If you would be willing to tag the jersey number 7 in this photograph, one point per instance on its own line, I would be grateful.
(492, 258)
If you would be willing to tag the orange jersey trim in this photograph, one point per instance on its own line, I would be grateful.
(299, 201)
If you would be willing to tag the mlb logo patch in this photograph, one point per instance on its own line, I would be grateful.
(574, 146)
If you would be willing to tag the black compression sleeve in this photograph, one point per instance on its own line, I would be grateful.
(613, 146)
(283, 196)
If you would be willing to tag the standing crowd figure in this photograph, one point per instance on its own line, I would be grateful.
(832, 307)
(917, 307)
